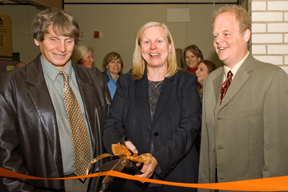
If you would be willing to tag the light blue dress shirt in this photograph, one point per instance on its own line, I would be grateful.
(112, 86)
(55, 84)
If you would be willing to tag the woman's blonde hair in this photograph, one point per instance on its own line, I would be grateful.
(139, 64)
(79, 52)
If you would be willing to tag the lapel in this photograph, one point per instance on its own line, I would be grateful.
(240, 78)
(166, 91)
(141, 91)
(39, 94)
(88, 101)
(84, 88)
(217, 81)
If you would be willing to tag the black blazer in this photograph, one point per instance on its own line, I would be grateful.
(29, 138)
(175, 128)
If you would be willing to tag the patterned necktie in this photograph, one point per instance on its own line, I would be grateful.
(78, 129)
(225, 86)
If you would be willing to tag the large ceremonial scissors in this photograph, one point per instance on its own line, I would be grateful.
(124, 160)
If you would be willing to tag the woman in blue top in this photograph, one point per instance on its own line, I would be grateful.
(112, 66)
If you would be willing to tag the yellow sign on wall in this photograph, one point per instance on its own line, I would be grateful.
(5, 37)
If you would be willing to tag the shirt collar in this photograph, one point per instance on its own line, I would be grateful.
(52, 72)
(235, 68)
(111, 80)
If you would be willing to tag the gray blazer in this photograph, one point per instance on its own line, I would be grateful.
(247, 134)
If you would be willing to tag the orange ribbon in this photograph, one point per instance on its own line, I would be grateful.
(265, 184)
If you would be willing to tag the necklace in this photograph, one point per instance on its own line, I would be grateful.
(157, 84)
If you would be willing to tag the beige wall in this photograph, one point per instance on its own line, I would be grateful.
(118, 26)
(22, 40)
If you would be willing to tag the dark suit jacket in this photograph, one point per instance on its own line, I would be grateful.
(175, 128)
(29, 139)
(247, 134)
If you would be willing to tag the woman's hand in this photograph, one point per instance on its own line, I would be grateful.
(131, 147)
(148, 169)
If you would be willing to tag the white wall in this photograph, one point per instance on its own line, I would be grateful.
(270, 31)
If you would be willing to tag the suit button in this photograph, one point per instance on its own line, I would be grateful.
(156, 134)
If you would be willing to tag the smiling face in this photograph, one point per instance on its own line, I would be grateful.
(114, 66)
(202, 72)
(229, 43)
(55, 49)
(154, 47)
(87, 60)
(191, 60)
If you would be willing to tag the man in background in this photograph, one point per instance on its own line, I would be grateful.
(245, 124)
(41, 103)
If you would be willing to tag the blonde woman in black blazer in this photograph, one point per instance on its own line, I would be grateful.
(157, 108)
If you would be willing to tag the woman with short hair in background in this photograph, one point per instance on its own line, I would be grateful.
(205, 67)
(112, 66)
(192, 57)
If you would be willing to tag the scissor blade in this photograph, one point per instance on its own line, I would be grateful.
(108, 165)
(119, 166)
